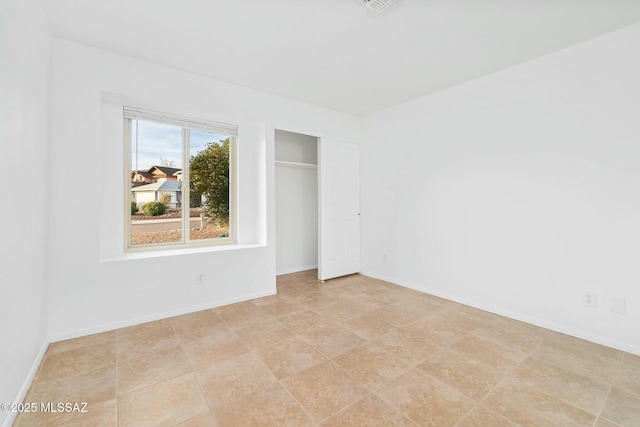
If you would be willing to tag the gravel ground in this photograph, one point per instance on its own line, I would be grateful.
(174, 236)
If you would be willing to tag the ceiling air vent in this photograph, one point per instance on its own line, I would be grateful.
(377, 5)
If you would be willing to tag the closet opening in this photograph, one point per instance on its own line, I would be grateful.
(296, 174)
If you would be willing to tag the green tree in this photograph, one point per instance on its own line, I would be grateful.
(209, 177)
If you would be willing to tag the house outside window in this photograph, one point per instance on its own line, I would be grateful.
(180, 181)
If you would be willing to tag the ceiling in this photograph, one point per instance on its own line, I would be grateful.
(336, 53)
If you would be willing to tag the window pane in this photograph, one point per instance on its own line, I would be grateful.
(209, 183)
(156, 168)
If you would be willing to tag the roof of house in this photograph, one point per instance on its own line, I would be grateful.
(159, 186)
(144, 172)
(168, 171)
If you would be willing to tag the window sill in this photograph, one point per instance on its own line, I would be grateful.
(126, 256)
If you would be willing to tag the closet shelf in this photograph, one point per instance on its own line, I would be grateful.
(296, 164)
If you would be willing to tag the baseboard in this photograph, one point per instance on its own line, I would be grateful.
(585, 335)
(296, 270)
(27, 383)
(157, 316)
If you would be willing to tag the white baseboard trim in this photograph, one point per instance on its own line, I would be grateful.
(27, 382)
(296, 270)
(157, 316)
(585, 335)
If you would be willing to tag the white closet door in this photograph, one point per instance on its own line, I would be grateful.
(339, 209)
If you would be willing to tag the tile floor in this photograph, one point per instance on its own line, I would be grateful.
(352, 352)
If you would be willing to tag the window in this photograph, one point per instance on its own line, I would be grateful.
(180, 182)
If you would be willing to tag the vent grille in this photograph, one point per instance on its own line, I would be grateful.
(377, 5)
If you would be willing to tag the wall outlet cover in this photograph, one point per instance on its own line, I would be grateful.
(618, 305)
(590, 299)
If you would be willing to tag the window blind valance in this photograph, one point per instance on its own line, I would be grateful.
(185, 122)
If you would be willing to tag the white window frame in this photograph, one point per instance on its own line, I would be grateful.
(131, 114)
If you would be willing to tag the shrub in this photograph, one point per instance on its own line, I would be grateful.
(153, 208)
(134, 208)
(165, 199)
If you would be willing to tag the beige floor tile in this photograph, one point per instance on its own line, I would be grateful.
(283, 307)
(583, 357)
(299, 292)
(224, 344)
(425, 400)
(305, 275)
(101, 414)
(265, 334)
(203, 420)
(92, 387)
(396, 314)
(244, 316)
(340, 292)
(290, 357)
(577, 344)
(239, 307)
(628, 374)
(364, 302)
(367, 326)
(138, 341)
(315, 300)
(152, 368)
(302, 321)
(438, 311)
(143, 328)
(272, 406)
(484, 417)
(519, 336)
(277, 297)
(396, 355)
(603, 422)
(484, 317)
(371, 412)
(388, 293)
(371, 365)
(622, 407)
(331, 340)
(187, 332)
(209, 316)
(234, 378)
(422, 304)
(408, 346)
(337, 310)
(163, 404)
(527, 406)
(436, 332)
(496, 356)
(76, 361)
(94, 339)
(466, 375)
(581, 391)
(324, 389)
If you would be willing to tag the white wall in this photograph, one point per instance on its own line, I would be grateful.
(296, 147)
(94, 285)
(517, 191)
(296, 202)
(25, 58)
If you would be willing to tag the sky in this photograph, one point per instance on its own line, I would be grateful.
(156, 140)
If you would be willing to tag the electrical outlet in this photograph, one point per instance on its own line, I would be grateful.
(589, 299)
(385, 257)
(200, 279)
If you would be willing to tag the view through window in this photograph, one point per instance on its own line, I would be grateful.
(181, 181)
